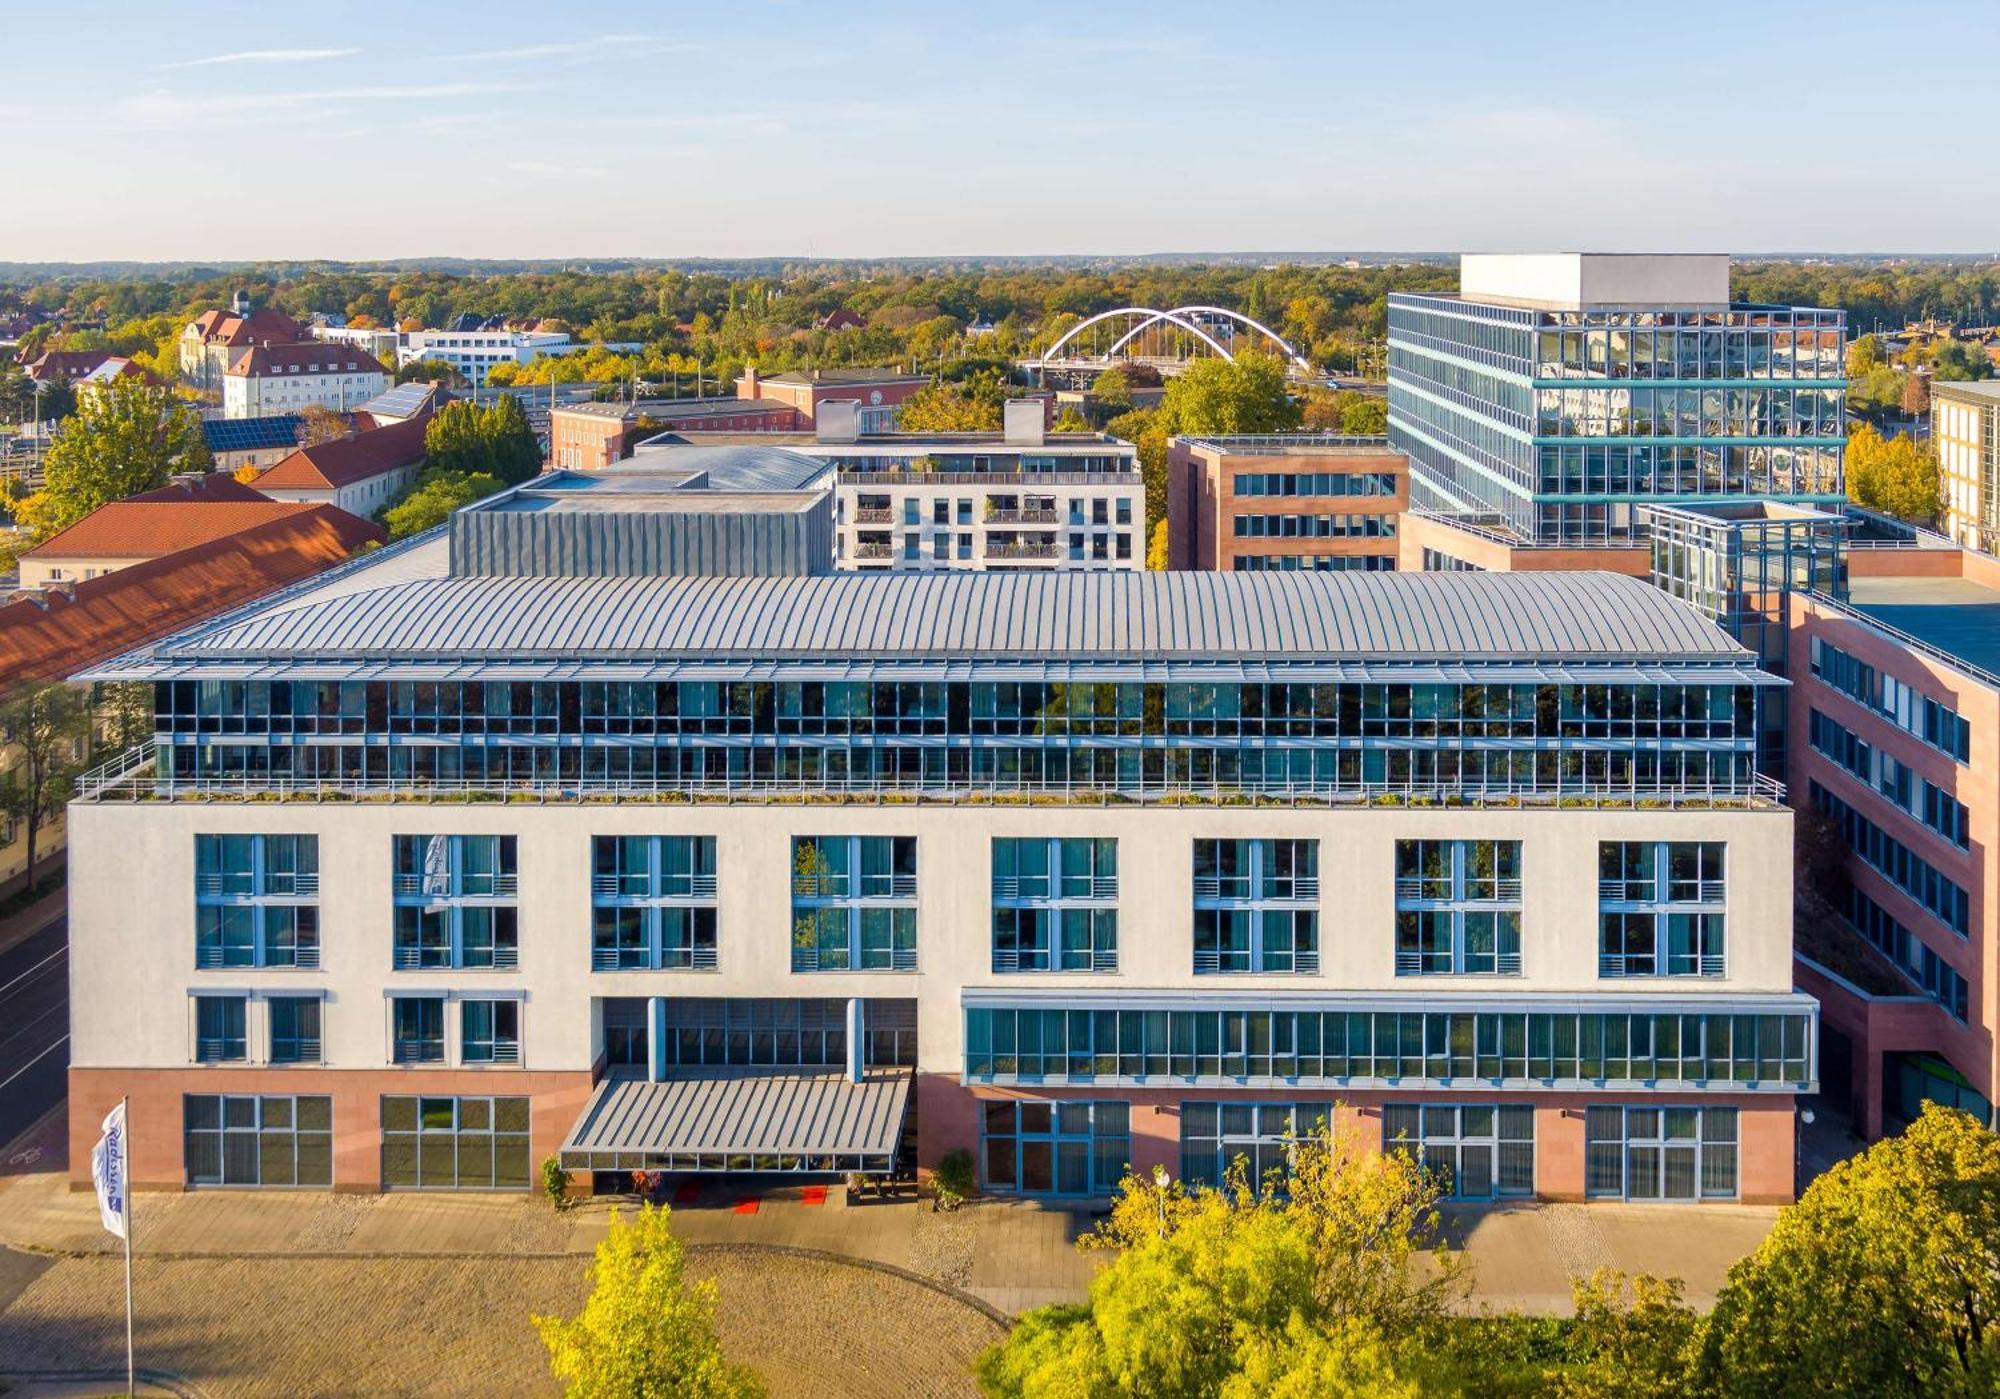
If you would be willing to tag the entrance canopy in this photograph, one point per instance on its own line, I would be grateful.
(716, 1120)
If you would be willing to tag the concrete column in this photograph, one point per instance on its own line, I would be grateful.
(656, 1037)
(856, 1053)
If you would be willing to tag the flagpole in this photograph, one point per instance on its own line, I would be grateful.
(131, 1367)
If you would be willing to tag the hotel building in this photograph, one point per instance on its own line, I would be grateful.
(555, 833)
(1556, 393)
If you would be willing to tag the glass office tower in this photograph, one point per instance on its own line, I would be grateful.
(1557, 392)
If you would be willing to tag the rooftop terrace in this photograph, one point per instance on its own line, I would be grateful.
(1955, 616)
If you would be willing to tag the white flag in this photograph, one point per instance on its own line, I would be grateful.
(110, 1168)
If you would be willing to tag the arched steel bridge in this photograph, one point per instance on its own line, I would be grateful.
(1199, 322)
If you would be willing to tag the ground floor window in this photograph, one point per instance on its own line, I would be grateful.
(455, 1143)
(232, 1139)
(1214, 1134)
(1660, 1153)
(1482, 1150)
(1915, 1079)
(1068, 1148)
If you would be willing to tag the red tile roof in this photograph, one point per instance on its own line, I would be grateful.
(334, 464)
(58, 633)
(129, 529)
(260, 327)
(67, 364)
(211, 485)
(309, 357)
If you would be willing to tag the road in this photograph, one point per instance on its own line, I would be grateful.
(34, 1027)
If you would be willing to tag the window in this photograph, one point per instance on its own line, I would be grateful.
(455, 1143)
(1055, 905)
(256, 901)
(1483, 1151)
(244, 1140)
(418, 1023)
(652, 903)
(1214, 1135)
(1946, 901)
(490, 1032)
(219, 1029)
(854, 903)
(1660, 1153)
(1067, 1148)
(1660, 908)
(1458, 907)
(1256, 906)
(455, 902)
(295, 1029)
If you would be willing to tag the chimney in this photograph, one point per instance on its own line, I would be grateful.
(815, 375)
(1025, 421)
(837, 420)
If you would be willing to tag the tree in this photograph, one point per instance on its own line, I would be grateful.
(1248, 394)
(948, 408)
(1895, 476)
(17, 393)
(490, 439)
(43, 728)
(1865, 355)
(319, 424)
(430, 371)
(1958, 361)
(1112, 391)
(127, 437)
(433, 499)
(1305, 1283)
(1916, 395)
(1884, 1279)
(1071, 421)
(644, 1331)
(1347, 412)
(1157, 552)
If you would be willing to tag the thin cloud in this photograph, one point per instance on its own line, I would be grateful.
(264, 56)
(574, 48)
(167, 108)
(549, 167)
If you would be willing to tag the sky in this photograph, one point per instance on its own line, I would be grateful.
(199, 130)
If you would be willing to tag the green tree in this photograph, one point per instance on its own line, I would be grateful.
(1306, 1283)
(430, 371)
(1878, 391)
(17, 393)
(319, 424)
(1865, 355)
(645, 1332)
(1884, 1279)
(1071, 421)
(1111, 392)
(490, 439)
(434, 497)
(1895, 476)
(946, 407)
(1157, 552)
(43, 731)
(1248, 394)
(125, 438)
(1958, 361)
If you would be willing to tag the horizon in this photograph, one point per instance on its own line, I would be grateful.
(182, 136)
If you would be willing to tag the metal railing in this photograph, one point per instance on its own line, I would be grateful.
(1023, 551)
(838, 886)
(1903, 638)
(1622, 964)
(1505, 891)
(1646, 891)
(427, 1051)
(1424, 964)
(1126, 473)
(498, 1052)
(1008, 888)
(1755, 789)
(606, 886)
(874, 551)
(118, 770)
(1016, 960)
(409, 959)
(299, 1051)
(812, 959)
(874, 515)
(698, 958)
(1022, 517)
(305, 957)
(503, 886)
(1304, 886)
(212, 884)
(1208, 961)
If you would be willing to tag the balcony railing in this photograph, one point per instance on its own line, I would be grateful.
(141, 782)
(812, 959)
(1646, 891)
(1023, 551)
(212, 884)
(1210, 961)
(305, 957)
(499, 886)
(627, 959)
(218, 1051)
(498, 1052)
(1505, 891)
(606, 886)
(1006, 961)
(1419, 964)
(300, 1051)
(1009, 889)
(1620, 964)
(419, 1051)
(874, 515)
(843, 886)
(416, 959)
(1304, 888)
(874, 551)
(1021, 517)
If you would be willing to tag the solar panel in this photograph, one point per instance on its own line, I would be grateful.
(246, 434)
(403, 401)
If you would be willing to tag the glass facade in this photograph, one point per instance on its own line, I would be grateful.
(1280, 1047)
(854, 903)
(455, 1143)
(246, 1139)
(1256, 906)
(1055, 905)
(1481, 1151)
(1458, 907)
(1214, 1136)
(1313, 738)
(1661, 908)
(652, 903)
(455, 902)
(1660, 1153)
(256, 901)
(1066, 1148)
(1557, 423)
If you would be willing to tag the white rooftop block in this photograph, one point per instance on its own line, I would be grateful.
(1577, 281)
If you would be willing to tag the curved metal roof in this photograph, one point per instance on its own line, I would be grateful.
(1285, 617)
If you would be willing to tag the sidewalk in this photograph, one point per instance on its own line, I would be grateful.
(1011, 1254)
(38, 915)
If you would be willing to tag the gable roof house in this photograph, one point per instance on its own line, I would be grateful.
(360, 474)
